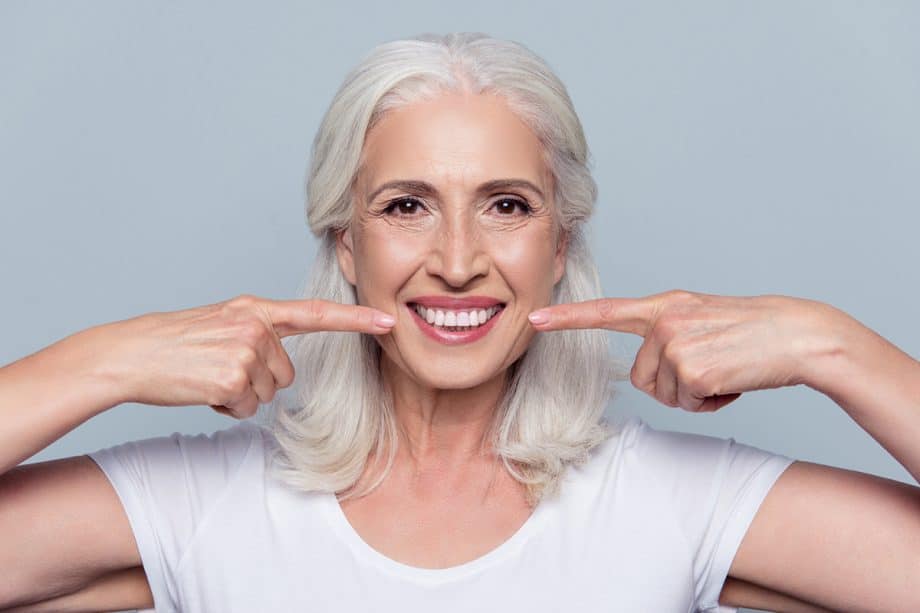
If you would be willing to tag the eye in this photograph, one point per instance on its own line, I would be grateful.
(403, 207)
(508, 206)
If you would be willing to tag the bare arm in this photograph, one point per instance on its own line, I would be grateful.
(227, 355)
(128, 589)
(878, 385)
(739, 593)
(121, 590)
(848, 539)
(45, 395)
(62, 525)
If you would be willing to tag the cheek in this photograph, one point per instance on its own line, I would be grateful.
(384, 262)
(528, 268)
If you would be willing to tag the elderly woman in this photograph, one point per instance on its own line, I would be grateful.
(446, 448)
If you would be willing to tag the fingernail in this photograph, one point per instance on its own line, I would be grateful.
(538, 317)
(384, 320)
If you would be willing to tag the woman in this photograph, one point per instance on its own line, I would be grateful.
(455, 454)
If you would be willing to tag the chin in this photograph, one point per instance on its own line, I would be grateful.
(443, 381)
(450, 374)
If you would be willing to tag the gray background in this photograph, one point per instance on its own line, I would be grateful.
(152, 156)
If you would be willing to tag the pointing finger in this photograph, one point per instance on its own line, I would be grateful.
(632, 315)
(312, 315)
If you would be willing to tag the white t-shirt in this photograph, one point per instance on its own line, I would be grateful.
(650, 523)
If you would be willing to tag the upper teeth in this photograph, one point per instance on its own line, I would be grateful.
(471, 318)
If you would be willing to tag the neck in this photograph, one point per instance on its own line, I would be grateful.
(441, 428)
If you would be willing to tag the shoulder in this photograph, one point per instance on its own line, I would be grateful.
(660, 450)
(171, 485)
(227, 443)
(206, 461)
(683, 470)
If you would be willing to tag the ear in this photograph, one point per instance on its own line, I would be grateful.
(559, 262)
(344, 251)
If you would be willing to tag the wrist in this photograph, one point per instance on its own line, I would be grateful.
(92, 360)
(831, 348)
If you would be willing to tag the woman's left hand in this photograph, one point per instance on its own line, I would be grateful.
(702, 351)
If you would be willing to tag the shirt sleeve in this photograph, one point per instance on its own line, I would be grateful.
(717, 485)
(167, 485)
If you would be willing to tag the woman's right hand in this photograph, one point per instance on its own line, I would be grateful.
(227, 355)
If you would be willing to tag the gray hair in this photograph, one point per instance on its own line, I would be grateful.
(551, 413)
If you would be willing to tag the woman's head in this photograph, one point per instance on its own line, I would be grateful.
(452, 214)
(455, 112)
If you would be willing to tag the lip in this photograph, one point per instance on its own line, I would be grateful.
(454, 338)
(450, 302)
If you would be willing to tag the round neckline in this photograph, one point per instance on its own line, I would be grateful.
(365, 552)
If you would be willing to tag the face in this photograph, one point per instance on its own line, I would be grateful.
(453, 222)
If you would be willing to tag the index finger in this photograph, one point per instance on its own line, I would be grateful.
(632, 315)
(290, 317)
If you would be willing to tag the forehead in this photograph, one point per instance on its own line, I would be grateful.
(462, 139)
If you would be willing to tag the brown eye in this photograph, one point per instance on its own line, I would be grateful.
(403, 207)
(509, 206)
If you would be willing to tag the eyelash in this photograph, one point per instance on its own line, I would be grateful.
(393, 204)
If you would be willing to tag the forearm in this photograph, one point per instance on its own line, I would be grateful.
(877, 384)
(45, 395)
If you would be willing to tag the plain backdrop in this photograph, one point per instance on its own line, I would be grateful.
(152, 158)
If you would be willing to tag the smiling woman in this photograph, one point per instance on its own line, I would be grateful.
(467, 191)
(446, 446)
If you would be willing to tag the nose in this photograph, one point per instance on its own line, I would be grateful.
(457, 255)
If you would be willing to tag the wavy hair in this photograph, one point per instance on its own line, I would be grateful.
(551, 413)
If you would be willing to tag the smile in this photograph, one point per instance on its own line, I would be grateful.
(455, 326)
(455, 321)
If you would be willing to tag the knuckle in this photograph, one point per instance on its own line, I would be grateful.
(364, 316)
(286, 376)
(672, 353)
(693, 378)
(680, 295)
(686, 403)
(687, 301)
(253, 331)
(667, 327)
(237, 303)
(244, 299)
(605, 309)
(227, 307)
(233, 383)
(634, 377)
(246, 355)
(317, 311)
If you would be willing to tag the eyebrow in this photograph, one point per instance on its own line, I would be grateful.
(427, 189)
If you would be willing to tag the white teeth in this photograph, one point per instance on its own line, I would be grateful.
(458, 319)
